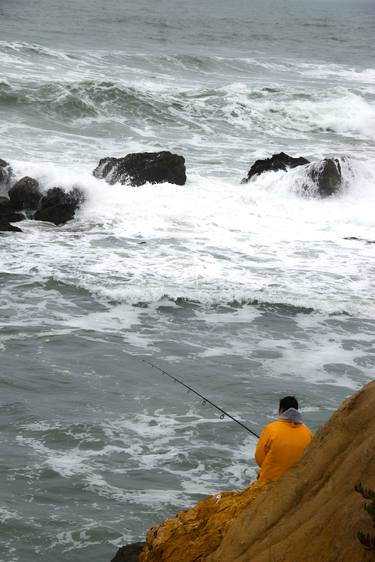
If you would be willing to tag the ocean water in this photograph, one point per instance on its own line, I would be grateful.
(247, 292)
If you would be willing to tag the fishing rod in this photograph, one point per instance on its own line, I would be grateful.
(203, 398)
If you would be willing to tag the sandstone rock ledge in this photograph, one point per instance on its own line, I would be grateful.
(193, 533)
(312, 514)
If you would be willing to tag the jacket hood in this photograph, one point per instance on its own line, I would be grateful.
(291, 415)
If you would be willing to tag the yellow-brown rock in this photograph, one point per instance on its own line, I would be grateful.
(193, 533)
(312, 514)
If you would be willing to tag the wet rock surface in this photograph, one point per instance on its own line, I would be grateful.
(320, 179)
(5, 226)
(58, 206)
(277, 162)
(129, 553)
(9, 215)
(139, 168)
(25, 198)
(7, 211)
(327, 176)
(25, 194)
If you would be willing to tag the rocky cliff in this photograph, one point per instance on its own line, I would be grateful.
(312, 514)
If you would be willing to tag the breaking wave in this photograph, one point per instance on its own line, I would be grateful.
(212, 242)
(271, 111)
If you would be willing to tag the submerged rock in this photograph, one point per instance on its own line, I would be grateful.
(129, 553)
(5, 226)
(312, 513)
(25, 194)
(277, 162)
(139, 168)
(8, 213)
(59, 206)
(326, 175)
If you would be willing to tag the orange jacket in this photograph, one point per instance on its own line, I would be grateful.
(280, 446)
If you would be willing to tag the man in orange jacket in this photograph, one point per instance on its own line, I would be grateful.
(282, 443)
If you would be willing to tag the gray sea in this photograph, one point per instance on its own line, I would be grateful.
(247, 292)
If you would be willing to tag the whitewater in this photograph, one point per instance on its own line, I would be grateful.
(247, 292)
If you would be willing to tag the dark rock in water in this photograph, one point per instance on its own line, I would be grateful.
(129, 553)
(57, 196)
(5, 173)
(356, 239)
(5, 226)
(327, 176)
(25, 194)
(58, 215)
(8, 213)
(138, 168)
(324, 178)
(59, 206)
(277, 162)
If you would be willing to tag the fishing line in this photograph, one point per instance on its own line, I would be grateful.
(205, 400)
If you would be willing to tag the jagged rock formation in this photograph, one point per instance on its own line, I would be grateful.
(312, 513)
(139, 168)
(58, 206)
(324, 178)
(277, 162)
(25, 199)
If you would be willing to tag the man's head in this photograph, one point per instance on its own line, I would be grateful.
(286, 403)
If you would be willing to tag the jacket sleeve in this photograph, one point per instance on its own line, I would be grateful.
(263, 446)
